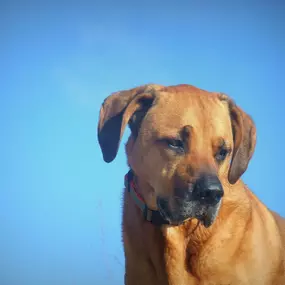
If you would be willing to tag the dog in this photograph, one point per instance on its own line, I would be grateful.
(187, 216)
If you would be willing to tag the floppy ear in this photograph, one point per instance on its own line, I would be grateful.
(244, 137)
(117, 111)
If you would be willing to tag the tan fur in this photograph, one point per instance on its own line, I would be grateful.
(246, 243)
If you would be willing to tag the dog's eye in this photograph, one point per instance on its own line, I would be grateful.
(221, 154)
(175, 144)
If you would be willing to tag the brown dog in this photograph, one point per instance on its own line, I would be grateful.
(188, 218)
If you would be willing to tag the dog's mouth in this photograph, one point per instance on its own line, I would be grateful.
(179, 213)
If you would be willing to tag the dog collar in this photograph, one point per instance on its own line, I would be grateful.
(152, 216)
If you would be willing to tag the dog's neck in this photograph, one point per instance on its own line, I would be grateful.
(178, 245)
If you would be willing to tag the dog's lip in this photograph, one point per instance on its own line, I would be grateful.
(205, 220)
(162, 206)
(206, 214)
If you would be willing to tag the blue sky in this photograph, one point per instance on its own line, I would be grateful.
(60, 204)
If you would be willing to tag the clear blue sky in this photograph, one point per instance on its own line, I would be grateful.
(60, 204)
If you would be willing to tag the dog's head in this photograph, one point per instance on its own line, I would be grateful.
(185, 145)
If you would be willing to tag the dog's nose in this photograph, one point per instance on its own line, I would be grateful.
(208, 190)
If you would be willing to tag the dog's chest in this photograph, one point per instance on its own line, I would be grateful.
(154, 260)
(186, 264)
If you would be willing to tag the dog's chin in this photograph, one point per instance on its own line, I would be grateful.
(206, 214)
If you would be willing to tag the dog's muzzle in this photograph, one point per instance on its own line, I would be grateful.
(200, 200)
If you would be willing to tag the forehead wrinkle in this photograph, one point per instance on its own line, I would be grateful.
(173, 111)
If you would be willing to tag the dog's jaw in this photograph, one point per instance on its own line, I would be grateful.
(188, 210)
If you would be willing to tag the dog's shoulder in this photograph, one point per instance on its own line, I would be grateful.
(280, 221)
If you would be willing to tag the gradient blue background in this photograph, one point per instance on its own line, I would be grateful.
(60, 204)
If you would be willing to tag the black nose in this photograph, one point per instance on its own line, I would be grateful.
(208, 190)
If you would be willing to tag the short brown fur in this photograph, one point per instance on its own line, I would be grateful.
(246, 243)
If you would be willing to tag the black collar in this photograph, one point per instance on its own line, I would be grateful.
(152, 216)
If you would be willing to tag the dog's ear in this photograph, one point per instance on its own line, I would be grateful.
(244, 137)
(117, 111)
